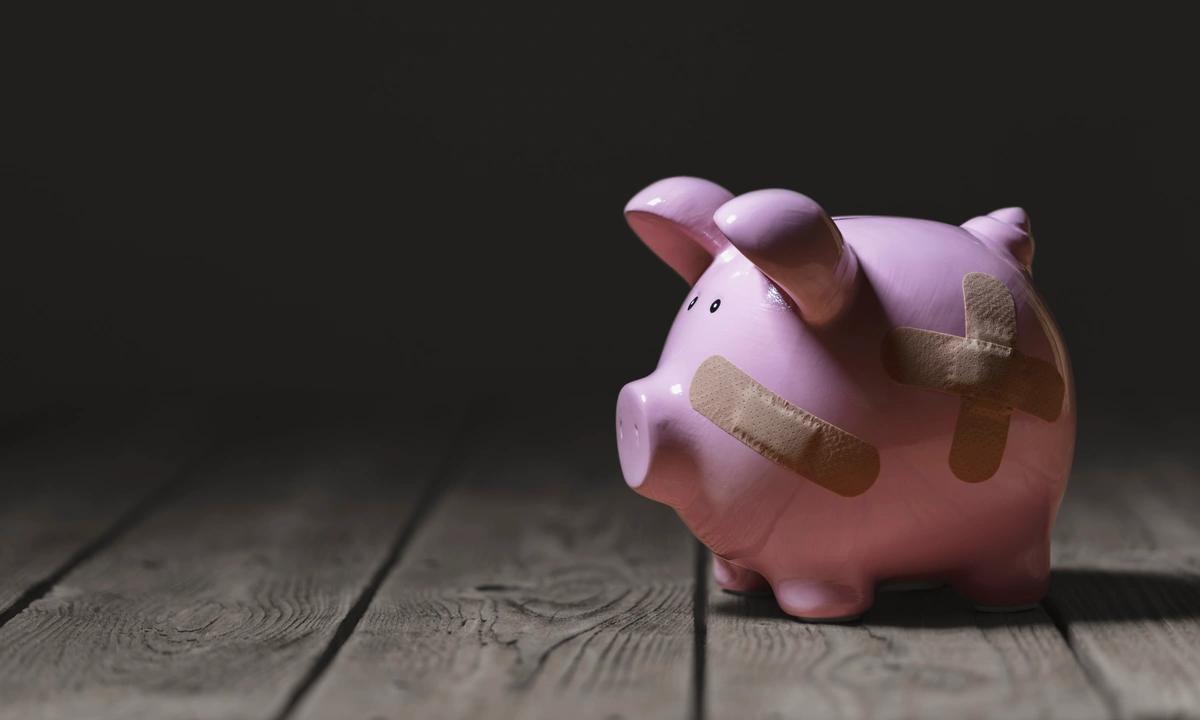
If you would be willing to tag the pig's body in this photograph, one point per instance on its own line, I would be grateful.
(823, 552)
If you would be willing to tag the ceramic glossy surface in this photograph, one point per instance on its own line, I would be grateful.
(802, 303)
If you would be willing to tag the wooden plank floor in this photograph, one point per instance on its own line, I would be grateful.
(534, 589)
(334, 561)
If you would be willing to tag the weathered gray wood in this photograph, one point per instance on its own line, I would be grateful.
(540, 587)
(917, 654)
(66, 481)
(217, 605)
(1127, 580)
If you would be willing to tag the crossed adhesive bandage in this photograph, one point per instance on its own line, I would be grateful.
(983, 368)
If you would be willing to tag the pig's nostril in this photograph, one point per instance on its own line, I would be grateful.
(620, 429)
(637, 435)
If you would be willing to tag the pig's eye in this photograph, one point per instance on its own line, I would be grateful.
(693, 302)
(716, 305)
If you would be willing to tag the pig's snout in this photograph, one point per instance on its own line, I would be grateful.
(655, 459)
(633, 434)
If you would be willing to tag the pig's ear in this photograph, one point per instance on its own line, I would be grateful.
(791, 239)
(1006, 230)
(674, 217)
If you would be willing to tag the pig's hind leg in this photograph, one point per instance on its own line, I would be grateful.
(738, 580)
(1008, 582)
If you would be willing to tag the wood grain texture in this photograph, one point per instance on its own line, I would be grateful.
(540, 587)
(66, 481)
(916, 654)
(1126, 587)
(536, 585)
(218, 604)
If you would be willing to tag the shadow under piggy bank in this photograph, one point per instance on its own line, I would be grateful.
(1076, 595)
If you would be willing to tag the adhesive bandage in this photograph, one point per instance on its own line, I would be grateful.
(984, 368)
(782, 432)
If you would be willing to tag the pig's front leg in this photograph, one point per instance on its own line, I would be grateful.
(738, 580)
(826, 599)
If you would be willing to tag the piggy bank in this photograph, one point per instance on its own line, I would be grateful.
(851, 401)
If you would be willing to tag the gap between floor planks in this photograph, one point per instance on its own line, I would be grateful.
(74, 481)
(433, 489)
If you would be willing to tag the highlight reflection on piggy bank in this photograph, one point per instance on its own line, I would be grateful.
(843, 402)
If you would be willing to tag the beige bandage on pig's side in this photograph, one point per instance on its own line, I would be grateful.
(782, 432)
(984, 369)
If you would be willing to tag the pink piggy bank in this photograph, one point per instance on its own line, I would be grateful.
(843, 402)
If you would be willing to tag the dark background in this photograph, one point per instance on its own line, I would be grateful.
(367, 197)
